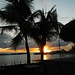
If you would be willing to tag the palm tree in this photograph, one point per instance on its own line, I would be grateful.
(45, 26)
(17, 12)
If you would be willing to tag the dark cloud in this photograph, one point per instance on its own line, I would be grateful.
(62, 43)
(31, 44)
(5, 40)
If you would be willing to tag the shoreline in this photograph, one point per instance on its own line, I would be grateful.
(57, 52)
(11, 53)
(64, 66)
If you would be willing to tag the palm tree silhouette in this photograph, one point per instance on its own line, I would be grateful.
(45, 27)
(17, 12)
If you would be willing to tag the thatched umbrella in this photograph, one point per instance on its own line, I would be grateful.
(68, 32)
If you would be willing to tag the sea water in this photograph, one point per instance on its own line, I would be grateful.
(22, 58)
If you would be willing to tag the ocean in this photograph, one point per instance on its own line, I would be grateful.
(22, 58)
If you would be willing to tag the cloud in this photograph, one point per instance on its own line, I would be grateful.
(31, 44)
(5, 40)
(62, 43)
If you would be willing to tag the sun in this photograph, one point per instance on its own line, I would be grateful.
(46, 49)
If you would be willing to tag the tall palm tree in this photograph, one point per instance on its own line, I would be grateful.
(45, 26)
(17, 12)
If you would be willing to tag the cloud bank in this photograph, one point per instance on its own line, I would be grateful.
(62, 43)
(5, 42)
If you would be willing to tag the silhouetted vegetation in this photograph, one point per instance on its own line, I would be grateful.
(41, 26)
(17, 12)
(45, 27)
(72, 49)
(67, 32)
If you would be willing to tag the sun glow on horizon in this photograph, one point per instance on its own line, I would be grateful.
(8, 50)
(46, 49)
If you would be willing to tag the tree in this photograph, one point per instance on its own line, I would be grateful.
(45, 26)
(72, 49)
(17, 12)
(67, 32)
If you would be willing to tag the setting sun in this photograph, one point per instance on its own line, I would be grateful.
(46, 49)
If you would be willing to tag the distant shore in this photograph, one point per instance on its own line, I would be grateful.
(53, 52)
(57, 52)
(11, 53)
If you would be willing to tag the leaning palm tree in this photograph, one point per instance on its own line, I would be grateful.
(17, 12)
(45, 27)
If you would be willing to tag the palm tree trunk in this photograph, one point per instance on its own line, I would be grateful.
(27, 48)
(42, 51)
(43, 43)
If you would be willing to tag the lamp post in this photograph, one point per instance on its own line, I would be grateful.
(59, 39)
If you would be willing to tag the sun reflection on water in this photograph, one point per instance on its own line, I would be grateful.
(46, 57)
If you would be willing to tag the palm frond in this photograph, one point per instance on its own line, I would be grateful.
(12, 0)
(8, 17)
(16, 41)
(45, 28)
(36, 38)
(16, 11)
(51, 13)
(60, 25)
(37, 13)
(9, 28)
(52, 8)
(52, 36)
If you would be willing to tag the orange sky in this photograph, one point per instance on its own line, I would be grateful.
(49, 48)
(8, 50)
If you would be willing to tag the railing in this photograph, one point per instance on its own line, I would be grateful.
(11, 64)
(36, 61)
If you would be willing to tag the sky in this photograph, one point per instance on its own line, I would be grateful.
(65, 12)
(65, 8)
